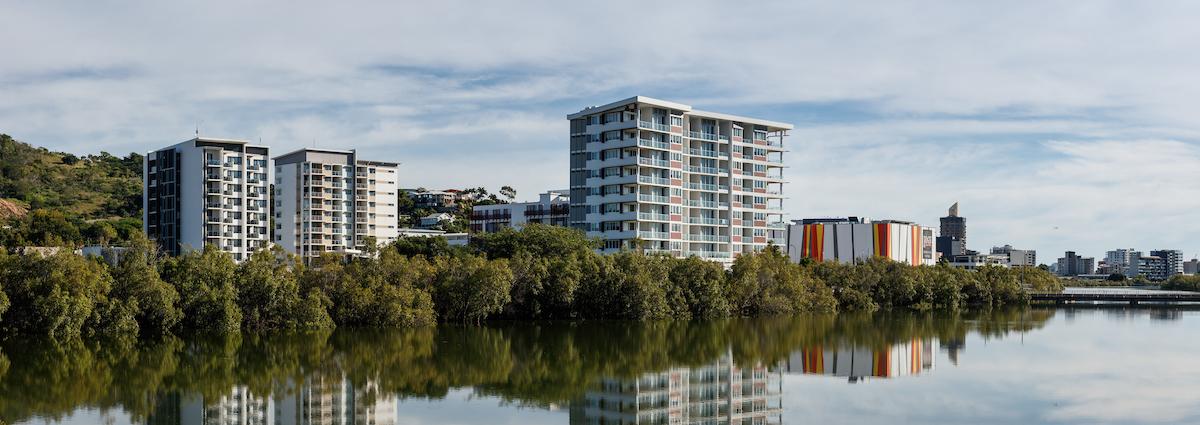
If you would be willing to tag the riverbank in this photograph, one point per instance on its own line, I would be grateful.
(541, 272)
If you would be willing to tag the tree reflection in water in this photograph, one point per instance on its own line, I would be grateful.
(347, 375)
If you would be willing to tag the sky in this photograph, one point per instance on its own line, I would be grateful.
(1057, 125)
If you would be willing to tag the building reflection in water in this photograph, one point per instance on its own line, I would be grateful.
(319, 401)
(722, 392)
(859, 363)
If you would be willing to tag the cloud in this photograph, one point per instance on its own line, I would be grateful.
(906, 107)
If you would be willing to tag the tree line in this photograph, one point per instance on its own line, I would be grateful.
(540, 272)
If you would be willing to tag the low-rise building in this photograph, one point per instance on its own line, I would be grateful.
(435, 220)
(1191, 266)
(857, 239)
(974, 260)
(552, 208)
(438, 200)
(1016, 257)
(455, 239)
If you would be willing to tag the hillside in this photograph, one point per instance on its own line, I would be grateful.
(54, 197)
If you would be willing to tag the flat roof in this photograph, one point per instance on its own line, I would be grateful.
(675, 105)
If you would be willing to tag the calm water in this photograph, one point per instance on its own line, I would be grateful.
(1086, 366)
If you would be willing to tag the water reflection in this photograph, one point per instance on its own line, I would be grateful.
(727, 371)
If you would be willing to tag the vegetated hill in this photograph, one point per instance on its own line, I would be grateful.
(89, 187)
(56, 198)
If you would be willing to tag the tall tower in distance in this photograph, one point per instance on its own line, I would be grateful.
(953, 239)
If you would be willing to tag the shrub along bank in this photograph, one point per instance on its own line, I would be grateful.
(540, 272)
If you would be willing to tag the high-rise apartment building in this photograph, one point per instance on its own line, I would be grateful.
(1071, 264)
(663, 177)
(207, 191)
(332, 201)
(1123, 261)
(953, 230)
(1172, 261)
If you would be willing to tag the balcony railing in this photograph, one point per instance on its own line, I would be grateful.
(704, 152)
(705, 238)
(707, 204)
(654, 144)
(653, 235)
(654, 162)
(654, 180)
(706, 186)
(654, 126)
(706, 220)
(702, 135)
(701, 169)
(653, 216)
(654, 198)
(710, 254)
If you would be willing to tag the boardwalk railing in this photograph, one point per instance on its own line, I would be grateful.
(1107, 296)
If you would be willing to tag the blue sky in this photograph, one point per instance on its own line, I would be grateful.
(1057, 125)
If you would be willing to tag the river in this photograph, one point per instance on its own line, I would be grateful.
(1035, 365)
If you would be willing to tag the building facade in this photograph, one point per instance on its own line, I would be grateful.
(207, 191)
(332, 201)
(1152, 267)
(663, 177)
(854, 240)
(1072, 264)
(1017, 257)
(899, 359)
(952, 240)
(1191, 266)
(552, 208)
(1172, 261)
(1123, 261)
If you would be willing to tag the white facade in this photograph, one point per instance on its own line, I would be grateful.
(207, 191)
(854, 240)
(661, 176)
(551, 208)
(1017, 257)
(454, 239)
(331, 201)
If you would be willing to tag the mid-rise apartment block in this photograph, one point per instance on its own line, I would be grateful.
(207, 191)
(1071, 264)
(1017, 257)
(1172, 261)
(551, 208)
(663, 177)
(332, 201)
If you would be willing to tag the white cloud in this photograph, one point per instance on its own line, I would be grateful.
(1034, 114)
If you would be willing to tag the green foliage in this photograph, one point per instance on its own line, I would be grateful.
(427, 246)
(769, 283)
(388, 291)
(537, 239)
(56, 295)
(205, 283)
(469, 289)
(269, 297)
(1182, 282)
(94, 186)
(136, 278)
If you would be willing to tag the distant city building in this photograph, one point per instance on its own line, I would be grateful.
(551, 208)
(1071, 265)
(952, 240)
(974, 260)
(719, 392)
(438, 200)
(207, 191)
(1172, 259)
(333, 201)
(1123, 261)
(663, 177)
(1191, 266)
(1017, 257)
(854, 240)
(1152, 267)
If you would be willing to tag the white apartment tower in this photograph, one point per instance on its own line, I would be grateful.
(207, 191)
(331, 201)
(663, 177)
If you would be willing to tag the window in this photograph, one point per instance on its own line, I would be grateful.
(676, 121)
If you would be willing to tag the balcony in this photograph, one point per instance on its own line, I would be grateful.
(706, 186)
(708, 221)
(710, 254)
(654, 162)
(654, 180)
(213, 162)
(654, 126)
(653, 235)
(656, 144)
(654, 198)
(706, 204)
(653, 217)
(697, 237)
(704, 153)
(777, 225)
(702, 135)
(702, 169)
